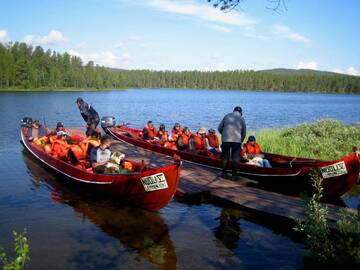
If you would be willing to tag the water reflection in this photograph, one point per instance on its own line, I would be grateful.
(138, 230)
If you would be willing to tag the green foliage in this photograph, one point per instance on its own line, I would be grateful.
(21, 249)
(22, 66)
(327, 249)
(325, 139)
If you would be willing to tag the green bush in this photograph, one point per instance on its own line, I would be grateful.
(325, 139)
(22, 250)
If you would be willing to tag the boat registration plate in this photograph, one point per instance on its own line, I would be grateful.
(154, 182)
(334, 170)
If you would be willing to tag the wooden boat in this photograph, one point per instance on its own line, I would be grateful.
(147, 187)
(289, 174)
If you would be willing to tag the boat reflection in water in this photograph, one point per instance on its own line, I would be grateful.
(136, 229)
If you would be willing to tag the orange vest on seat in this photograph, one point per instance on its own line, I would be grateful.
(213, 140)
(78, 151)
(60, 148)
(250, 149)
(85, 144)
(199, 143)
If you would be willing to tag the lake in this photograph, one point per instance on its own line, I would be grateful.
(68, 230)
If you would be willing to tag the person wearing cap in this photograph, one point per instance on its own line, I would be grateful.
(89, 114)
(233, 131)
(60, 127)
(252, 154)
(213, 142)
(198, 141)
(149, 131)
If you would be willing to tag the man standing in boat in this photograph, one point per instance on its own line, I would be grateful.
(233, 131)
(89, 114)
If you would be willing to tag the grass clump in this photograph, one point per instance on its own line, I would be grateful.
(325, 139)
(21, 249)
(326, 249)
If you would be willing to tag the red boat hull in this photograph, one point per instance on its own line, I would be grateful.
(125, 187)
(288, 173)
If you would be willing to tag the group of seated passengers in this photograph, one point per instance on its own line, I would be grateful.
(183, 139)
(91, 152)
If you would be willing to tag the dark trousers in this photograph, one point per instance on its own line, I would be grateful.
(230, 149)
(92, 126)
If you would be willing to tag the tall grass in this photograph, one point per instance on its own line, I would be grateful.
(325, 139)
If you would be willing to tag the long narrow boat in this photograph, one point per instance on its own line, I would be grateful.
(289, 174)
(146, 187)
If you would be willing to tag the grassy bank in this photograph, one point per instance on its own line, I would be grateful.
(325, 139)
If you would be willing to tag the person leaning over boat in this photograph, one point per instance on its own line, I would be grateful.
(89, 114)
(252, 154)
(149, 131)
(233, 131)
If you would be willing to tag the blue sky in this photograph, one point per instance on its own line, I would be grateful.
(191, 34)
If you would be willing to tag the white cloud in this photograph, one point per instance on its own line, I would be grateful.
(104, 58)
(257, 36)
(52, 38)
(219, 28)
(284, 31)
(220, 67)
(81, 45)
(308, 65)
(349, 71)
(126, 59)
(204, 12)
(4, 37)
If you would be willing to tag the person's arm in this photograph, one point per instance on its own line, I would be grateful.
(221, 126)
(243, 130)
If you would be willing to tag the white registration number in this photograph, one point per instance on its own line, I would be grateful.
(154, 182)
(334, 170)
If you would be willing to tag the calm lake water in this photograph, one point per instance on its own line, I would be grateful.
(69, 230)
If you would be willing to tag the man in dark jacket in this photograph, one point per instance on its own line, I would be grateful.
(233, 131)
(89, 114)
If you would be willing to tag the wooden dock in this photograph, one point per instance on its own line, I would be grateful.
(205, 184)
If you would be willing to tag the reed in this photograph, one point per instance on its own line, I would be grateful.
(326, 139)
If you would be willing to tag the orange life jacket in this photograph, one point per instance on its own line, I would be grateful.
(149, 133)
(175, 134)
(163, 135)
(250, 149)
(199, 142)
(213, 140)
(185, 138)
(85, 144)
(60, 148)
(78, 151)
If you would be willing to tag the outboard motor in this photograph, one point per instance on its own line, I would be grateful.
(26, 122)
(108, 122)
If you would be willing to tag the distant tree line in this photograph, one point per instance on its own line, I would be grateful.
(22, 66)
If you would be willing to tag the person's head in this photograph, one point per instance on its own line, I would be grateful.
(186, 131)
(177, 126)
(162, 127)
(202, 131)
(211, 131)
(59, 125)
(35, 124)
(252, 139)
(79, 101)
(105, 141)
(150, 124)
(238, 109)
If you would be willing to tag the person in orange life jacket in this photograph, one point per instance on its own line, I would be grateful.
(251, 153)
(213, 142)
(198, 141)
(175, 132)
(183, 139)
(162, 134)
(149, 131)
(89, 114)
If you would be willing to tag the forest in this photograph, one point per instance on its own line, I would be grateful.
(24, 67)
